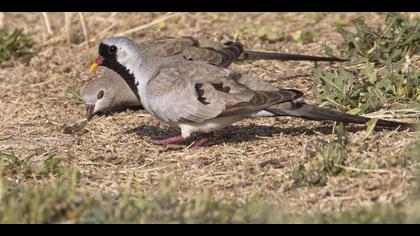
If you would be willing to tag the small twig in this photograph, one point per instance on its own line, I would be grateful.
(141, 27)
(375, 45)
(347, 168)
(103, 32)
(67, 26)
(52, 40)
(138, 170)
(1, 19)
(47, 23)
(43, 83)
(267, 151)
(99, 35)
(84, 28)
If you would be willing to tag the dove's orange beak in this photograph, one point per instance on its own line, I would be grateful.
(95, 64)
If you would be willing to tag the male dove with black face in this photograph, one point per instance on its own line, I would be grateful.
(200, 97)
(202, 49)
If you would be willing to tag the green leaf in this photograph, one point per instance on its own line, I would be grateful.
(303, 37)
(75, 95)
(379, 75)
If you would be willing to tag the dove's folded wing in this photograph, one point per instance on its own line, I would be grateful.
(198, 91)
(194, 49)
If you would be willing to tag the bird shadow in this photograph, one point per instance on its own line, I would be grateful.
(287, 78)
(244, 133)
(119, 110)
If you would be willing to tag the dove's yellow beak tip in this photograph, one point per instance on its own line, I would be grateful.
(95, 64)
(93, 67)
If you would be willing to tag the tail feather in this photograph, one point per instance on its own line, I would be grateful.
(257, 55)
(311, 112)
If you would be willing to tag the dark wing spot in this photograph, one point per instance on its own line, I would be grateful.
(234, 75)
(195, 41)
(188, 58)
(200, 93)
(219, 87)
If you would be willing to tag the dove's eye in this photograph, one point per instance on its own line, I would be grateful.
(100, 95)
(112, 49)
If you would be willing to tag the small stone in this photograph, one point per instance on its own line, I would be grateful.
(75, 127)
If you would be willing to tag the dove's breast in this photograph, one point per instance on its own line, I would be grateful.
(188, 128)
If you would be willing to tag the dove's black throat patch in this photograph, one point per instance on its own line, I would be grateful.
(127, 76)
(110, 61)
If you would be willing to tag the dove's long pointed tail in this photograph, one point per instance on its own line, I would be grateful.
(257, 55)
(311, 112)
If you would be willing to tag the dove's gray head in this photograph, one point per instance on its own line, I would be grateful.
(107, 94)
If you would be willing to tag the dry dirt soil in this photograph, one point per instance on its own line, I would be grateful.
(253, 159)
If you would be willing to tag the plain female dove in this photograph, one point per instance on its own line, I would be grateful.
(107, 94)
(200, 97)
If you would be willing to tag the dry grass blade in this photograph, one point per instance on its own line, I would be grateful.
(145, 26)
(370, 127)
(6, 115)
(395, 114)
(376, 171)
(100, 34)
(67, 26)
(1, 19)
(47, 23)
(84, 28)
(54, 40)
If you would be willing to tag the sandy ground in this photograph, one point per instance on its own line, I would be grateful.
(253, 159)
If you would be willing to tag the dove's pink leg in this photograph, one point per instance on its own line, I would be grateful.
(167, 141)
(198, 143)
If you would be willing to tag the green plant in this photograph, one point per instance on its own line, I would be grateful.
(75, 95)
(342, 22)
(384, 73)
(24, 168)
(11, 165)
(270, 33)
(399, 37)
(327, 160)
(303, 37)
(14, 45)
(51, 166)
(56, 203)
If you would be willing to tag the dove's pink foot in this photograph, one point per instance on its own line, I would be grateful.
(168, 141)
(200, 142)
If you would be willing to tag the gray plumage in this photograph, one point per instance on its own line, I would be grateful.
(190, 48)
(221, 54)
(108, 93)
(201, 96)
